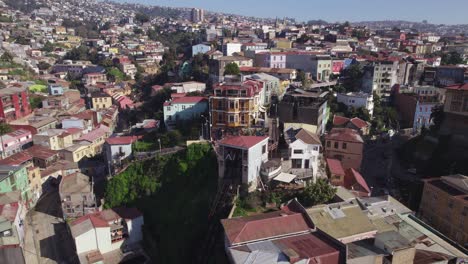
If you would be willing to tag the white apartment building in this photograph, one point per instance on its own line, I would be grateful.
(357, 100)
(240, 159)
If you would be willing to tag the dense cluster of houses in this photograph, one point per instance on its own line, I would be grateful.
(270, 125)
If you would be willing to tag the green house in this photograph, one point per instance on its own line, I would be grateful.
(15, 178)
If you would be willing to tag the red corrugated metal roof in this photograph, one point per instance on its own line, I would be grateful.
(340, 120)
(245, 142)
(461, 86)
(353, 177)
(359, 123)
(267, 225)
(127, 140)
(310, 246)
(335, 167)
(344, 134)
(185, 100)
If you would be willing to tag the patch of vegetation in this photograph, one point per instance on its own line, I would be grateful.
(174, 193)
(38, 88)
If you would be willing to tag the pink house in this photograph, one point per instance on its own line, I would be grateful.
(13, 142)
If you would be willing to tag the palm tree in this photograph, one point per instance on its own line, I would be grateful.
(4, 129)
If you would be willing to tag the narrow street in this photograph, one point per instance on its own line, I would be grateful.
(47, 239)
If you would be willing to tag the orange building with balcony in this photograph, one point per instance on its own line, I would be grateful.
(236, 106)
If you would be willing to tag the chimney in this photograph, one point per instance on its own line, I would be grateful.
(291, 255)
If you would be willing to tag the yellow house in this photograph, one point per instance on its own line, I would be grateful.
(101, 101)
(60, 30)
(283, 43)
(78, 151)
(71, 38)
(35, 183)
(54, 139)
(114, 50)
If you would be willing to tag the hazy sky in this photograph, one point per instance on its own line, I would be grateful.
(434, 11)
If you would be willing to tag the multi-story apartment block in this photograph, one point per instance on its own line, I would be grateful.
(415, 105)
(197, 15)
(15, 142)
(236, 106)
(319, 66)
(15, 178)
(444, 205)
(184, 108)
(456, 110)
(384, 77)
(357, 100)
(100, 101)
(271, 86)
(93, 78)
(14, 103)
(231, 48)
(307, 107)
(270, 59)
(54, 139)
(77, 196)
(345, 145)
(240, 159)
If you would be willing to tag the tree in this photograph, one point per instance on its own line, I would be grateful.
(48, 47)
(43, 65)
(79, 53)
(4, 129)
(452, 58)
(352, 77)
(137, 31)
(301, 77)
(231, 69)
(35, 101)
(142, 18)
(437, 117)
(317, 193)
(6, 57)
(115, 74)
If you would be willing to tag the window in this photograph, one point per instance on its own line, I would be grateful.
(306, 164)
(168, 108)
(298, 151)
(343, 146)
(336, 145)
(316, 148)
(296, 163)
(328, 144)
(465, 104)
(183, 107)
(263, 149)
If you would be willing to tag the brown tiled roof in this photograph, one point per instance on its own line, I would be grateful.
(344, 134)
(308, 138)
(41, 152)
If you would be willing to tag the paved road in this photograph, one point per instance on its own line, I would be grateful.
(47, 239)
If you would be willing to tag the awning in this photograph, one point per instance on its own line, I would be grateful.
(285, 177)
